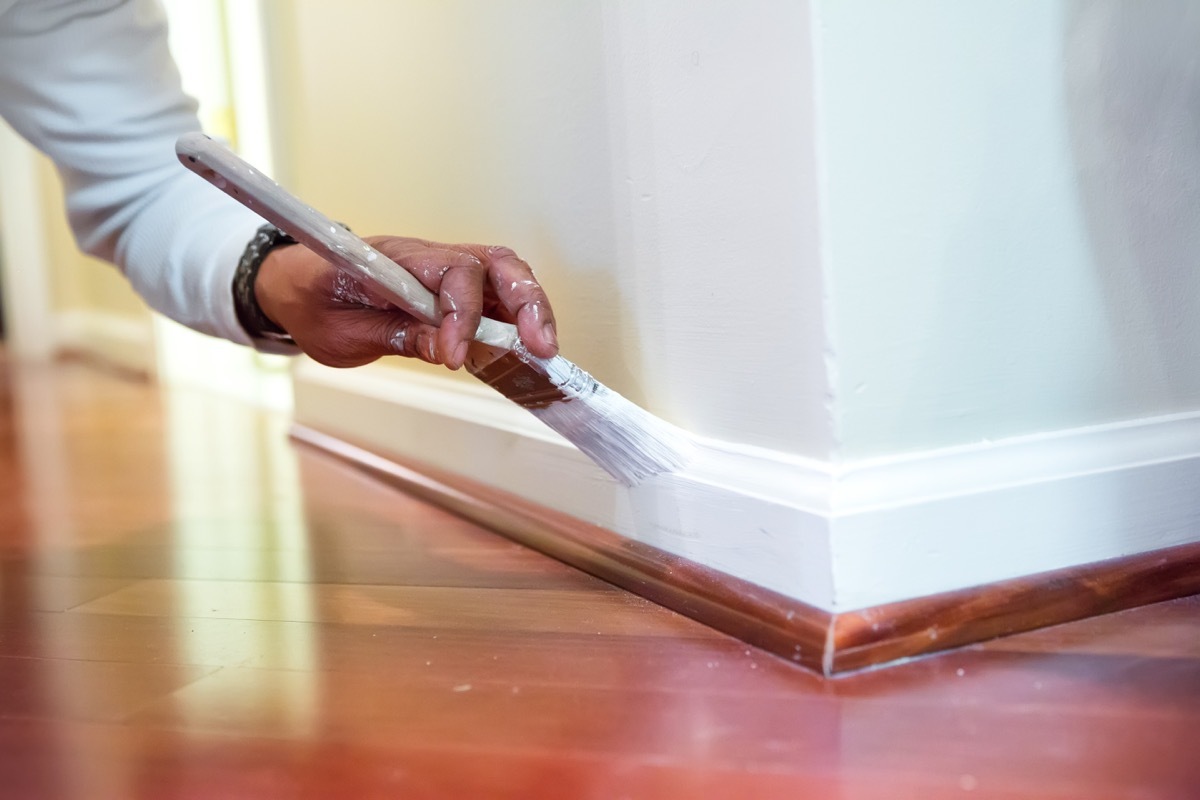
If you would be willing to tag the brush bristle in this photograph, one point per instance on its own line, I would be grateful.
(628, 442)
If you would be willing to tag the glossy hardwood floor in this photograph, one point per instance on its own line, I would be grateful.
(193, 609)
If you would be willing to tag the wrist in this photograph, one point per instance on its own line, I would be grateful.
(248, 293)
(271, 282)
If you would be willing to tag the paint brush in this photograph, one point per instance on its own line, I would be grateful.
(628, 442)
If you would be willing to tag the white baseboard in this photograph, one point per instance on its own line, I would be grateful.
(125, 342)
(837, 536)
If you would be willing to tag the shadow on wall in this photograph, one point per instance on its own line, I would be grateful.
(1133, 93)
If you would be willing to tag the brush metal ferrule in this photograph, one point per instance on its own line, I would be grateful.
(512, 376)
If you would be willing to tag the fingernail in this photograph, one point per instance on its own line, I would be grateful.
(398, 340)
(549, 335)
(460, 355)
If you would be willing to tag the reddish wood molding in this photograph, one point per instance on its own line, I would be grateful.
(928, 624)
(758, 616)
(809, 636)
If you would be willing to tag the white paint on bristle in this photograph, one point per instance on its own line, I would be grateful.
(625, 440)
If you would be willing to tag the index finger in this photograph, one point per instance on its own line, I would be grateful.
(524, 298)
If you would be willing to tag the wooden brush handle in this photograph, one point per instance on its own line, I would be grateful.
(219, 166)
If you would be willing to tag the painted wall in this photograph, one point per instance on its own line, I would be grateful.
(998, 242)
(1012, 216)
(80, 282)
(654, 162)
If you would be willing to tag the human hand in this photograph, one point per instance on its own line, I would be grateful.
(342, 322)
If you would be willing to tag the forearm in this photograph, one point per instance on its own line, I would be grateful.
(92, 84)
(180, 254)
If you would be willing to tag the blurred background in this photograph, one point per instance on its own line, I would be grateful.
(59, 300)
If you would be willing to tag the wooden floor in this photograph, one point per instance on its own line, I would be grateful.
(192, 608)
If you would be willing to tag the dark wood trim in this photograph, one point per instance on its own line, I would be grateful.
(928, 624)
(801, 633)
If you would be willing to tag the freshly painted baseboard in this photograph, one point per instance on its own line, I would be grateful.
(123, 342)
(837, 537)
(759, 528)
(829, 643)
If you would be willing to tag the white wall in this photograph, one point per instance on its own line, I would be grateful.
(711, 113)
(1007, 230)
(1012, 216)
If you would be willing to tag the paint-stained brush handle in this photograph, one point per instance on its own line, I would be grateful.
(219, 166)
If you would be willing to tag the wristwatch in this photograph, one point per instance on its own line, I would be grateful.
(258, 326)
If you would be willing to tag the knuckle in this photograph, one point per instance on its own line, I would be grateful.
(525, 289)
(422, 345)
(461, 305)
(498, 252)
(468, 259)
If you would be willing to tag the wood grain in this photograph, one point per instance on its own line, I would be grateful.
(191, 608)
(602, 610)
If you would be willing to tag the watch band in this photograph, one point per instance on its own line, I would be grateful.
(249, 314)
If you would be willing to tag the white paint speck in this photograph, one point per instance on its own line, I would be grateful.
(960, 672)
(463, 687)
(398, 340)
(968, 783)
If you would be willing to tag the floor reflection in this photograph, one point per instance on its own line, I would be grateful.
(98, 500)
(227, 468)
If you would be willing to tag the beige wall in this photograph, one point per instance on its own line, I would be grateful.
(652, 163)
(78, 281)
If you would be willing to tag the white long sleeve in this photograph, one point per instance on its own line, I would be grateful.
(92, 84)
